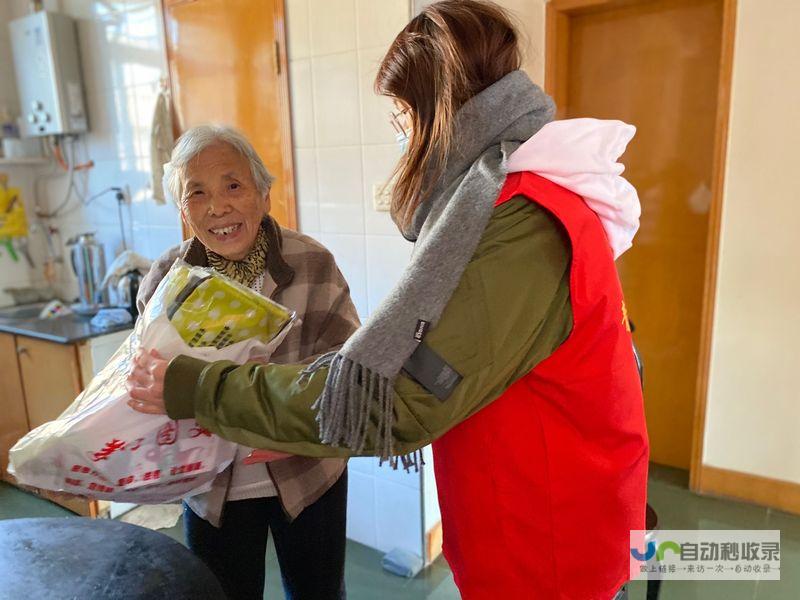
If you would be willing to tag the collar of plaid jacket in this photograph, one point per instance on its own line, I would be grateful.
(277, 268)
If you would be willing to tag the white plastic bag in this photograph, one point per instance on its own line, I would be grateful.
(102, 448)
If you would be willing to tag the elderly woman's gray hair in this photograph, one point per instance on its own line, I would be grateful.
(197, 139)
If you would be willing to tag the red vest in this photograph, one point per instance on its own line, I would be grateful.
(540, 489)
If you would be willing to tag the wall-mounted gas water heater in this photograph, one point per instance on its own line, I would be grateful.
(48, 73)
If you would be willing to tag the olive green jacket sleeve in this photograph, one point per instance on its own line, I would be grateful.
(510, 311)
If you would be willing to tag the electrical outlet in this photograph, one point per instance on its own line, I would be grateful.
(381, 197)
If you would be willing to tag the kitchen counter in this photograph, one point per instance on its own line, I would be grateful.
(68, 329)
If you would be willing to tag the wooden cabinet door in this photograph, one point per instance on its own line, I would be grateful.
(14, 419)
(50, 381)
(227, 64)
(51, 378)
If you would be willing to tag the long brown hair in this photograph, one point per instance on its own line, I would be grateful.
(447, 54)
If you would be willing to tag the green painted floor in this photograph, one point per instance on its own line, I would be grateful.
(668, 494)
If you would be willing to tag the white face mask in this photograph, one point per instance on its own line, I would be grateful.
(402, 141)
(399, 121)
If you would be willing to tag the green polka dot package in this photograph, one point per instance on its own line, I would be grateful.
(103, 448)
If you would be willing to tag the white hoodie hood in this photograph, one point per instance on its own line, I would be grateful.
(581, 156)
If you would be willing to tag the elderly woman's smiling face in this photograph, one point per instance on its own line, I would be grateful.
(220, 201)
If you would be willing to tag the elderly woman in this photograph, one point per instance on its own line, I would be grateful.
(222, 188)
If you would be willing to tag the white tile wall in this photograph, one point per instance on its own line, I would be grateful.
(350, 256)
(398, 517)
(379, 21)
(333, 26)
(384, 506)
(339, 188)
(431, 513)
(302, 103)
(122, 55)
(8, 88)
(385, 255)
(305, 171)
(298, 23)
(335, 98)
(361, 525)
(12, 274)
(335, 48)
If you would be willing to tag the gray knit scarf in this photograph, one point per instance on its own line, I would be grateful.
(447, 227)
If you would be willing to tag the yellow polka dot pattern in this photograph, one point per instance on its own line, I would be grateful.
(220, 312)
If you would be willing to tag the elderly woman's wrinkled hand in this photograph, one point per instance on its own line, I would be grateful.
(146, 383)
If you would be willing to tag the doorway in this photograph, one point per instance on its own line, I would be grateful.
(227, 64)
(663, 66)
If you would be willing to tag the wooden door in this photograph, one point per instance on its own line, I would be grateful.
(14, 419)
(227, 64)
(51, 378)
(655, 64)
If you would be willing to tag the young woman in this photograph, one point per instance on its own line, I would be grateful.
(505, 342)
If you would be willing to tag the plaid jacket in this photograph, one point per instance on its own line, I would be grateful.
(302, 275)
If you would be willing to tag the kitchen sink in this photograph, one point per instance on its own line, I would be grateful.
(26, 311)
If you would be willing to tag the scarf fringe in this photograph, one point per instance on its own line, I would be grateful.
(412, 459)
(352, 394)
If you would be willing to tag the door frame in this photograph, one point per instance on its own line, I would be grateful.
(285, 118)
(557, 30)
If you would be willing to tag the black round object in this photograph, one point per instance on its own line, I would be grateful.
(88, 559)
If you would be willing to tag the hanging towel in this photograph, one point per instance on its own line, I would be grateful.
(161, 142)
